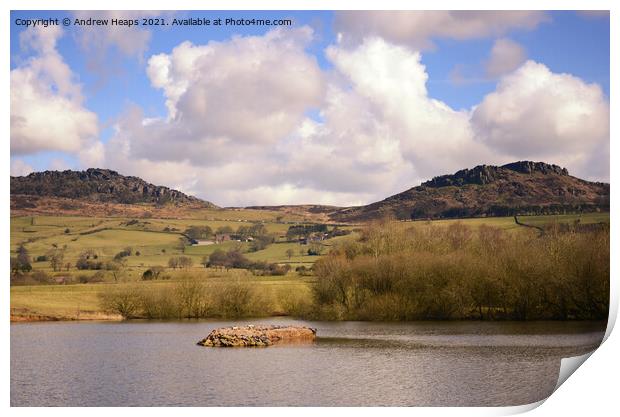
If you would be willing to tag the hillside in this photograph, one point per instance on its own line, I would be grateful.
(522, 187)
(95, 186)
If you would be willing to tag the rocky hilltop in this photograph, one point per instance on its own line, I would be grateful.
(523, 187)
(99, 186)
(486, 174)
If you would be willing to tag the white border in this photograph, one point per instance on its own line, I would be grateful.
(592, 390)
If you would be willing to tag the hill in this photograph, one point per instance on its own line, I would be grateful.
(95, 186)
(522, 187)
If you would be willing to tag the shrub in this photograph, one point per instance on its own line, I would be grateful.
(315, 249)
(260, 242)
(152, 273)
(41, 277)
(123, 254)
(199, 232)
(96, 277)
(84, 262)
(190, 297)
(264, 268)
(456, 272)
(126, 301)
(231, 259)
(303, 270)
(180, 262)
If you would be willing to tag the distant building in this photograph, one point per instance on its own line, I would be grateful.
(202, 242)
(222, 237)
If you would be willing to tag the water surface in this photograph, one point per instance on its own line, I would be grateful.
(351, 363)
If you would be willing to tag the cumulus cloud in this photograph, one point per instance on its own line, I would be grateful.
(249, 89)
(47, 111)
(417, 28)
(229, 104)
(378, 131)
(378, 127)
(506, 56)
(382, 132)
(227, 99)
(537, 114)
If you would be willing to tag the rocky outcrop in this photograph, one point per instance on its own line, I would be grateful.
(99, 185)
(529, 167)
(518, 188)
(486, 174)
(249, 336)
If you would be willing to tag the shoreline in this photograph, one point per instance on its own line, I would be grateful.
(29, 316)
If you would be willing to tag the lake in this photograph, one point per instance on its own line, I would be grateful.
(146, 363)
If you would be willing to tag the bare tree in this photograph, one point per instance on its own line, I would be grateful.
(56, 257)
(117, 269)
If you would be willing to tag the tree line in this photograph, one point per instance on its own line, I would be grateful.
(458, 272)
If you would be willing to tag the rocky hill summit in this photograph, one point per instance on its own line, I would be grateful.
(99, 185)
(486, 174)
(522, 187)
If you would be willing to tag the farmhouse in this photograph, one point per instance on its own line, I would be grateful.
(222, 237)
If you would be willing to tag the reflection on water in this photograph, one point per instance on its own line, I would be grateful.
(351, 363)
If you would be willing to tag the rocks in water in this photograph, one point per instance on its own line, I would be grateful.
(251, 335)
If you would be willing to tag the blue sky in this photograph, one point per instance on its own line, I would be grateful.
(112, 82)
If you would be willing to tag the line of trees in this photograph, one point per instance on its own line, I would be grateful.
(190, 297)
(183, 262)
(235, 259)
(457, 272)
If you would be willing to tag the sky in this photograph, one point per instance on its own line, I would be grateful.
(340, 108)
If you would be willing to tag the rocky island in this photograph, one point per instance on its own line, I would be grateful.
(248, 336)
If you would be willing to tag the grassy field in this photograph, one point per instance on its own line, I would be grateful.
(75, 300)
(156, 239)
(108, 236)
(508, 223)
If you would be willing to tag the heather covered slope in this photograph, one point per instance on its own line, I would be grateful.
(523, 187)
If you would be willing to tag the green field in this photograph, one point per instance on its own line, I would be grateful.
(108, 236)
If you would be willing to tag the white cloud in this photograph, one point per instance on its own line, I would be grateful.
(382, 132)
(417, 28)
(506, 56)
(541, 115)
(379, 127)
(378, 131)
(229, 104)
(251, 89)
(226, 100)
(20, 168)
(129, 40)
(47, 111)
